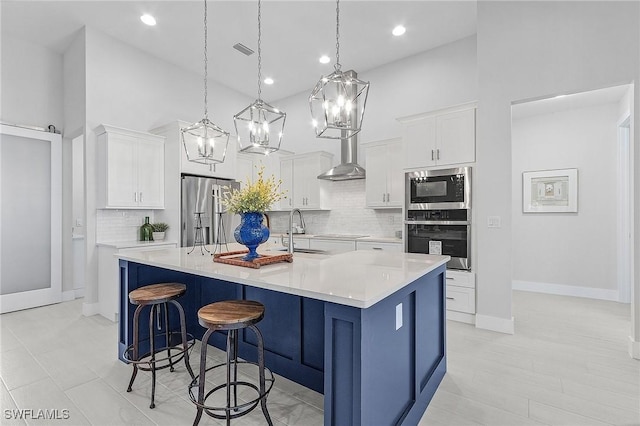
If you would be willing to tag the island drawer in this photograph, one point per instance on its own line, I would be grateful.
(461, 299)
(370, 245)
(461, 278)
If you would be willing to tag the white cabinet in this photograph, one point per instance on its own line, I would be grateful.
(299, 174)
(109, 274)
(277, 241)
(335, 246)
(440, 138)
(385, 178)
(130, 169)
(371, 245)
(461, 295)
(248, 166)
(177, 155)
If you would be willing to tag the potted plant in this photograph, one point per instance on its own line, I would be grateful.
(158, 230)
(251, 202)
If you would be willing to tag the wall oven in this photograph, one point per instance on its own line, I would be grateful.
(438, 189)
(438, 214)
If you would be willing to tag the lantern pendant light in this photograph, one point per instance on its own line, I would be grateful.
(259, 126)
(204, 141)
(338, 100)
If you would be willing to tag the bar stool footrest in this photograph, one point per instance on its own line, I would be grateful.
(239, 409)
(176, 352)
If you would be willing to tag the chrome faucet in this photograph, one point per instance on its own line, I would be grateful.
(291, 227)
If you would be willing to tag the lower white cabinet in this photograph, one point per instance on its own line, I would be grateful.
(109, 275)
(298, 242)
(370, 245)
(461, 291)
(335, 246)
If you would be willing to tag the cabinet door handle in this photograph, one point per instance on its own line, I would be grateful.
(140, 196)
(135, 197)
(387, 197)
(376, 248)
(451, 298)
(451, 278)
(383, 197)
(437, 154)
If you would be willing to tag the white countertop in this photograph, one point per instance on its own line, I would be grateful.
(355, 278)
(136, 244)
(345, 238)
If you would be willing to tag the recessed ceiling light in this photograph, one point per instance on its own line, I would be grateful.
(324, 59)
(399, 30)
(268, 80)
(148, 19)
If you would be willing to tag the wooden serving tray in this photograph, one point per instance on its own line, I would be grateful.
(235, 258)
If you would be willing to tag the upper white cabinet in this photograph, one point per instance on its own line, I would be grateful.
(385, 178)
(248, 166)
(299, 174)
(440, 138)
(130, 169)
(175, 150)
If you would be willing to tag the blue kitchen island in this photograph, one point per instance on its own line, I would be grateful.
(365, 328)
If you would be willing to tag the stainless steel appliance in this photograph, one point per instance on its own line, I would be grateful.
(445, 232)
(201, 196)
(438, 189)
(438, 209)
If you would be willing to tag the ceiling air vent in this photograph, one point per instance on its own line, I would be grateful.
(243, 49)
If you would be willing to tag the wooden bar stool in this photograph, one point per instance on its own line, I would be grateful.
(231, 315)
(176, 344)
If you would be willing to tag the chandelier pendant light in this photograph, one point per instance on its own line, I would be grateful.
(259, 126)
(338, 101)
(204, 141)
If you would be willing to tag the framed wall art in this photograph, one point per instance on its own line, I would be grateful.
(550, 191)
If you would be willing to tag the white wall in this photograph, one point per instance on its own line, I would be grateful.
(428, 81)
(530, 50)
(128, 88)
(31, 84)
(552, 250)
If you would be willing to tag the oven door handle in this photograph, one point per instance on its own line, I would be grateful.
(437, 222)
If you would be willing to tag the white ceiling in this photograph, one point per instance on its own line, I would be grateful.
(294, 34)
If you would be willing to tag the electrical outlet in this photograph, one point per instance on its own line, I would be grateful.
(398, 316)
(494, 222)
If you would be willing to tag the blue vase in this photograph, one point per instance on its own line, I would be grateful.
(251, 233)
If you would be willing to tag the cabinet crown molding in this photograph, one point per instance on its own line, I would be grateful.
(454, 108)
(106, 128)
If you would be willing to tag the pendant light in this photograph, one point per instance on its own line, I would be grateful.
(259, 126)
(338, 100)
(204, 141)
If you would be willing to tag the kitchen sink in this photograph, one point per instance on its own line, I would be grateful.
(302, 250)
(339, 236)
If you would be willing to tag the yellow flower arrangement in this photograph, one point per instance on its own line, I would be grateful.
(255, 196)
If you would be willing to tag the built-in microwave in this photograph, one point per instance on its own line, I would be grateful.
(438, 189)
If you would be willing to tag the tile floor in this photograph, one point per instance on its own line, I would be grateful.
(566, 365)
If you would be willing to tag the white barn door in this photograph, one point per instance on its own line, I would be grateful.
(30, 218)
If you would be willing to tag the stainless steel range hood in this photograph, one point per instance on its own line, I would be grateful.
(348, 168)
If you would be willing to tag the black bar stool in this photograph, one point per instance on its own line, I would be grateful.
(176, 344)
(231, 315)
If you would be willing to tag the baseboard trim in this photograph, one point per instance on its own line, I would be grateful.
(90, 309)
(634, 348)
(567, 290)
(68, 296)
(461, 317)
(501, 325)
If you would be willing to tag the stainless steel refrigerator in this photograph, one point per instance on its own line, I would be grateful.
(201, 199)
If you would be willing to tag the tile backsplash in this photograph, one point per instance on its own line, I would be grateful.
(120, 225)
(348, 214)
